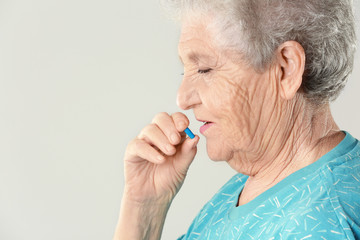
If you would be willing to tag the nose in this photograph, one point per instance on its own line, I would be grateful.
(188, 95)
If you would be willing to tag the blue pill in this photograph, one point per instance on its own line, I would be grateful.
(189, 133)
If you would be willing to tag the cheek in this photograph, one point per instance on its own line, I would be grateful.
(221, 92)
(238, 123)
(242, 112)
(240, 105)
(252, 114)
(237, 116)
(218, 148)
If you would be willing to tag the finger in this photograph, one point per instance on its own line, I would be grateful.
(167, 125)
(153, 135)
(180, 120)
(183, 137)
(143, 150)
(187, 153)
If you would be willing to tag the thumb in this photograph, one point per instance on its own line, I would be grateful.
(186, 153)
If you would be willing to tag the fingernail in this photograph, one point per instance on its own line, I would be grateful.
(160, 158)
(195, 143)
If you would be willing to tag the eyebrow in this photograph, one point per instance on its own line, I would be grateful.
(194, 56)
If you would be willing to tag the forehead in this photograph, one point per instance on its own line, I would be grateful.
(196, 41)
(193, 28)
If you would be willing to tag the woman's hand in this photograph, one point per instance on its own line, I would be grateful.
(157, 160)
(156, 163)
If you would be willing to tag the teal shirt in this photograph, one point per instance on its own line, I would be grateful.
(320, 201)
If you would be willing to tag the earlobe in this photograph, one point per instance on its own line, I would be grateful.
(291, 58)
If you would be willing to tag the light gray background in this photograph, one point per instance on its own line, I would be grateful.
(78, 80)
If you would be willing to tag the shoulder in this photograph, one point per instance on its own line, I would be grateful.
(343, 193)
(341, 179)
(330, 207)
(341, 175)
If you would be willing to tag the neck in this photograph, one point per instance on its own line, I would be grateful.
(297, 140)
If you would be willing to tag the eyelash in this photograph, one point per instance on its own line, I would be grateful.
(201, 71)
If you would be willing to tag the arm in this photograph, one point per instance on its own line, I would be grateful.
(155, 164)
(140, 221)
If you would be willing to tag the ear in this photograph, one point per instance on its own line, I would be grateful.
(291, 60)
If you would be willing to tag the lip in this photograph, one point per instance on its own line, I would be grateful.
(207, 125)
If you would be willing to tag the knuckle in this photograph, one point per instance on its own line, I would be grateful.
(135, 144)
(180, 116)
(131, 148)
(147, 130)
(150, 127)
(159, 116)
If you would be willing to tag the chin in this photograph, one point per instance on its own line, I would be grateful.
(216, 153)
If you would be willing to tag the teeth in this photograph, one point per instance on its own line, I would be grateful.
(206, 122)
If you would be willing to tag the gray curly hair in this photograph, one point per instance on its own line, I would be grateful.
(256, 28)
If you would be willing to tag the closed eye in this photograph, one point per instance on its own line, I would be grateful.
(202, 71)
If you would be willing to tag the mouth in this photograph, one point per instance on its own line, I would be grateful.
(205, 126)
(205, 122)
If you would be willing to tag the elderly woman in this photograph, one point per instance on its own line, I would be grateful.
(260, 74)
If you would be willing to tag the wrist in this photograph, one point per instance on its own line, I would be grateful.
(141, 220)
(144, 201)
(149, 207)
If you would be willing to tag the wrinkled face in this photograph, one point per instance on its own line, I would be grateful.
(234, 100)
